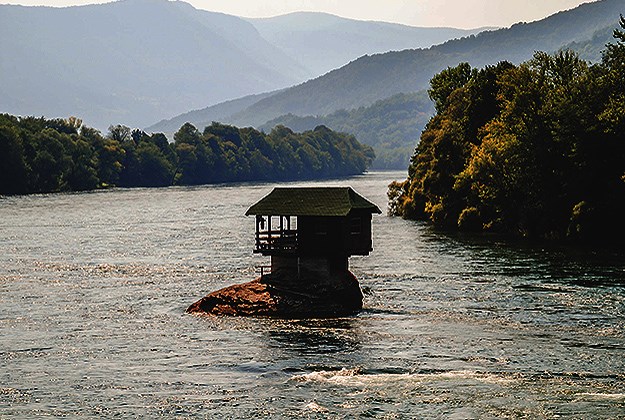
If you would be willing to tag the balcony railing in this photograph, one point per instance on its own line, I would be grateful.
(276, 240)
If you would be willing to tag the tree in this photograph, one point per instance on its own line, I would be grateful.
(13, 169)
(119, 133)
(187, 134)
(447, 81)
(535, 150)
(51, 163)
(110, 155)
(40, 155)
(82, 174)
(154, 168)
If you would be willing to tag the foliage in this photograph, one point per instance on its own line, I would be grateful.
(390, 126)
(224, 153)
(535, 150)
(41, 155)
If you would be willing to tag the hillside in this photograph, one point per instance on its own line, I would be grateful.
(322, 42)
(391, 126)
(590, 50)
(380, 76)
(139, 61)
(319, 42)
(205, 116)
(338, 98)
(132, 61)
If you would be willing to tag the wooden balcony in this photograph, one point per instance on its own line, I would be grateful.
(276, 242)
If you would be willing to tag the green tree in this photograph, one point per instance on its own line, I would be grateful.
(120, 133)
(40, 155)
(447, 81)
(535, 150)
(51, 163)
(109, 155)
(83, 173)
(154, 167)
(14, 172)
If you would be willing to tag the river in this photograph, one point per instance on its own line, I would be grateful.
(93, 289)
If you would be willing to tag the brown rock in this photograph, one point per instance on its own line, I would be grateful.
(251, 298)
(262, 298)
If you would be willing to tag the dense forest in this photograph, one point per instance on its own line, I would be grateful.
(48, 155)
(389, 126)
(536, 150)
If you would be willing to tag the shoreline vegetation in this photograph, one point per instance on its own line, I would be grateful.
(39, 155)
(535, 150)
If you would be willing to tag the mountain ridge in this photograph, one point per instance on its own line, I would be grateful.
(133, 61)
(118, 62)
(379, 76)
(323, 42)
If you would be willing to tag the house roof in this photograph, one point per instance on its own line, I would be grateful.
(311, 201)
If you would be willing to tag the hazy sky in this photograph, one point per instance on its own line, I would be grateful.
(455, 13)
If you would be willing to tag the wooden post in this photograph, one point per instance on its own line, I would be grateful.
(269, 232)
(258, 231)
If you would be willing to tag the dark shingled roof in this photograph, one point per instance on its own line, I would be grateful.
(315, 201)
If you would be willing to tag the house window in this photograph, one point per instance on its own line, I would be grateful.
(355, 226)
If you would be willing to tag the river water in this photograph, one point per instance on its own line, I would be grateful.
(93, 289)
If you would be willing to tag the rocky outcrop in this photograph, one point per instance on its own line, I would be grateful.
(284, 294)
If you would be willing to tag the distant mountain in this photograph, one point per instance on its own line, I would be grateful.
(370, 78)
(591, 49)
(205, 116)
(132, 61)
(137, 61)
(322, 42)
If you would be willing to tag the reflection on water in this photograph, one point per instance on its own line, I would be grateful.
(315, 337)
(93, 288)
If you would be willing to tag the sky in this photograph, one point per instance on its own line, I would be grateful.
(452, 13)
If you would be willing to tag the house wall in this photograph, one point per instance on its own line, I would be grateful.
(320, 235)
(358, 233)
(335, 236)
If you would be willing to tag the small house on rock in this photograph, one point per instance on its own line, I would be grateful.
(309, 234)
(314, 229)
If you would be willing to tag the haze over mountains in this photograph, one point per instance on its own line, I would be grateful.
(137, 61)
(132, 61)
(323, 42)
(370, 78)
(362, 82)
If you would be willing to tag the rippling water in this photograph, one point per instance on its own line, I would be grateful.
(93, 288)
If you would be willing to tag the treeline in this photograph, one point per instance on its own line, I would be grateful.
(536, 150)
(388, 125)
(49, 155)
